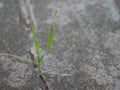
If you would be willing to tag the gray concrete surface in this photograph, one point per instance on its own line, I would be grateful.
(86, 44)
(14, 75)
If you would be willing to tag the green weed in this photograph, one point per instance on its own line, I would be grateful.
(40, 56)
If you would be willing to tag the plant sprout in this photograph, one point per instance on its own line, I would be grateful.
(40, 56)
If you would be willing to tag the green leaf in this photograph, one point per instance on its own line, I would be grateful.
(18, 57)
(33, 31)
(48, 72)
(36, 45)
(54, 73)
(42, 57)
(55, 13)
(50, 38)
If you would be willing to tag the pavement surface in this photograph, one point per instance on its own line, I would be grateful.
(85, 44)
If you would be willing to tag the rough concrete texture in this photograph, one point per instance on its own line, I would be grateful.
(86, 44)
(14, 75)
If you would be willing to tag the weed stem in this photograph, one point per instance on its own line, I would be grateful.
(44, 82)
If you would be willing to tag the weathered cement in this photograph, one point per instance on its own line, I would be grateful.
(14, 75)
(86, 44)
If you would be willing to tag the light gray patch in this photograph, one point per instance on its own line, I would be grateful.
(113, 12)
(117, 84)
(99, 75)
(110, 8)
(91, 35)
(113, 42)
(1, 5)
(114, 72)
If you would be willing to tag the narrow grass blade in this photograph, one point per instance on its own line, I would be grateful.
(33, 31)
(41, 58)
(55, 73)
(50, 38)
(18, 57)
(55, 14)
(36, 45)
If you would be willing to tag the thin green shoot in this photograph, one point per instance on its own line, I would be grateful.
(18, 57)
(54, 73)
(50, 38)
(55, 14)
(51, 32)
(37, 47)
(36, 44)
